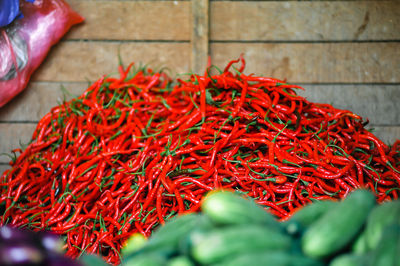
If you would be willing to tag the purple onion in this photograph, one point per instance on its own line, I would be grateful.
(51, 242)
(20, 254)
(8, 233)
(60, 260)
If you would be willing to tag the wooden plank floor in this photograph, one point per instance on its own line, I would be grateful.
(346, 53)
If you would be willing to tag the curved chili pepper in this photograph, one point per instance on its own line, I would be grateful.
(137, 148)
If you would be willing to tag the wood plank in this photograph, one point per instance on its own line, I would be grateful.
(387, 134)
(316, 62)
(3, 167)
(378, 103)
(296, 62)
(305, 20)
(240, 20)
(82, 61)
(12, 135)
(132, 20)
(38, 99)
(199, 38)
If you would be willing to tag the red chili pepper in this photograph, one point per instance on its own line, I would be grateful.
(133, 149)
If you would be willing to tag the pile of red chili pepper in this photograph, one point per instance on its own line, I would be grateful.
(133, 151)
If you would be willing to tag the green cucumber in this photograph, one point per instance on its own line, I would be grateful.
(388, 249)
(91, 260)
(175, 229)
(311, 212)
(203, 227)
(382, 215)
(270, 258)
(304, 217)
(225, 242)
(166, 238)
(145, 259)
(350, 259)
(227, 208)
(360, 244)
(164, 252)
(180, 261)
(337, 227)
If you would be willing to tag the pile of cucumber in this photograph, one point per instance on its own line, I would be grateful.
(235, 231)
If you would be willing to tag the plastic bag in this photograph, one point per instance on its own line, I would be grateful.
(25, 43)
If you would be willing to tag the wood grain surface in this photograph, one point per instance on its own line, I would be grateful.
(3, 167)
(12, 135)
(379, 108)
(317, 62)
(295, 62)
(83, 61)
(240, 20)
(305, 20)
(38, 99)
(199, 41)
(132, 20)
